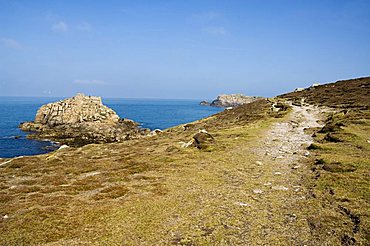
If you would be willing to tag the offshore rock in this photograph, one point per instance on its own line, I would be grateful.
(232, 100)
(204, 103)
(81, 120)
(77, 109)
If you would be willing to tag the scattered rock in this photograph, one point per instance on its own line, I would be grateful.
(6, 217)
(279, 187)
(90, 174)
(202, 140)
(279, 106)
(299, 89)
(186, 145)
(242, 204)
(64, 146)
(291, 217)
(155, 132)
(259, 163)
(315, 85)
(277, 173)
(257, 191)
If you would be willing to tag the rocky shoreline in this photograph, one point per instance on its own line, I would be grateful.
(81, 120)
(232, 100)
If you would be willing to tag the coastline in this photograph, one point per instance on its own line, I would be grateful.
(275, 155)
(129, 108)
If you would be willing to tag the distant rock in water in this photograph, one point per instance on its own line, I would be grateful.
(231, 100)
(81, 120)
(204, 103)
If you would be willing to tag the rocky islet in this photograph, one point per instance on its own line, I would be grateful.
(231, 100)
(81, 120)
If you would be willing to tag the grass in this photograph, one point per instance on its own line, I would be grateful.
(340, 183)
(148, 191)
(153, 192)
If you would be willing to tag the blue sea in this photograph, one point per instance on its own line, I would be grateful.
(150, 113)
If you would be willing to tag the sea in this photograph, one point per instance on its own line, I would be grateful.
(150, 113)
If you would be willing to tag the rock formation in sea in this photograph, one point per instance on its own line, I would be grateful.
(231, 100)
(205, 103)
(81, 120)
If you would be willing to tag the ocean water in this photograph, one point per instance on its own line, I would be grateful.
(150, 113)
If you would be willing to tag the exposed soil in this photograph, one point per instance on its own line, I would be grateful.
(282, 161)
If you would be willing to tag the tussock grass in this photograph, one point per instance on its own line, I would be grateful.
(341, 186)
(140, 192)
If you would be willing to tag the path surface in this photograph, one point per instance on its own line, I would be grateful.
(282, 153)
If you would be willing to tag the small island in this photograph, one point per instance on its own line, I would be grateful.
(231, 100)
(81, 120)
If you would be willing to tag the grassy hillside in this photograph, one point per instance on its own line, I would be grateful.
(152, 191)
(340, 183)
(353, 93)
(148, 191)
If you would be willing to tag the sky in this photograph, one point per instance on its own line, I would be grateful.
(180, 49)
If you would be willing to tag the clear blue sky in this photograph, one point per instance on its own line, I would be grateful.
(179, 48)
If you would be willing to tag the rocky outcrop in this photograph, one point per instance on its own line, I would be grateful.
(77, 109)
(204, 103)
(231, 100)
(81, 120)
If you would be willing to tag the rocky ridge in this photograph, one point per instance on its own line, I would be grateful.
(231, 100)
(81, 120)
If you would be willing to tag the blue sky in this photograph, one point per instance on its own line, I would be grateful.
(179, 49)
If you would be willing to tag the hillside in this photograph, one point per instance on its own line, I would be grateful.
(353, 93)
(274, 173)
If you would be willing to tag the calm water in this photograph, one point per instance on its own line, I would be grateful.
(148, 112)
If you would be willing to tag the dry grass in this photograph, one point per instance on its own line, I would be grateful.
(148, 191)
(340, 192)
(153, 192)
(353, 93)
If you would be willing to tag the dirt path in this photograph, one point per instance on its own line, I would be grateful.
(278, 192)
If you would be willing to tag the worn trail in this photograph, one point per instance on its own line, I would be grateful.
(279, 191)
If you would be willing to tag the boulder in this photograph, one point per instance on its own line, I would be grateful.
(202, 140)
(155, 132)
(315, 85)
(81, 120)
